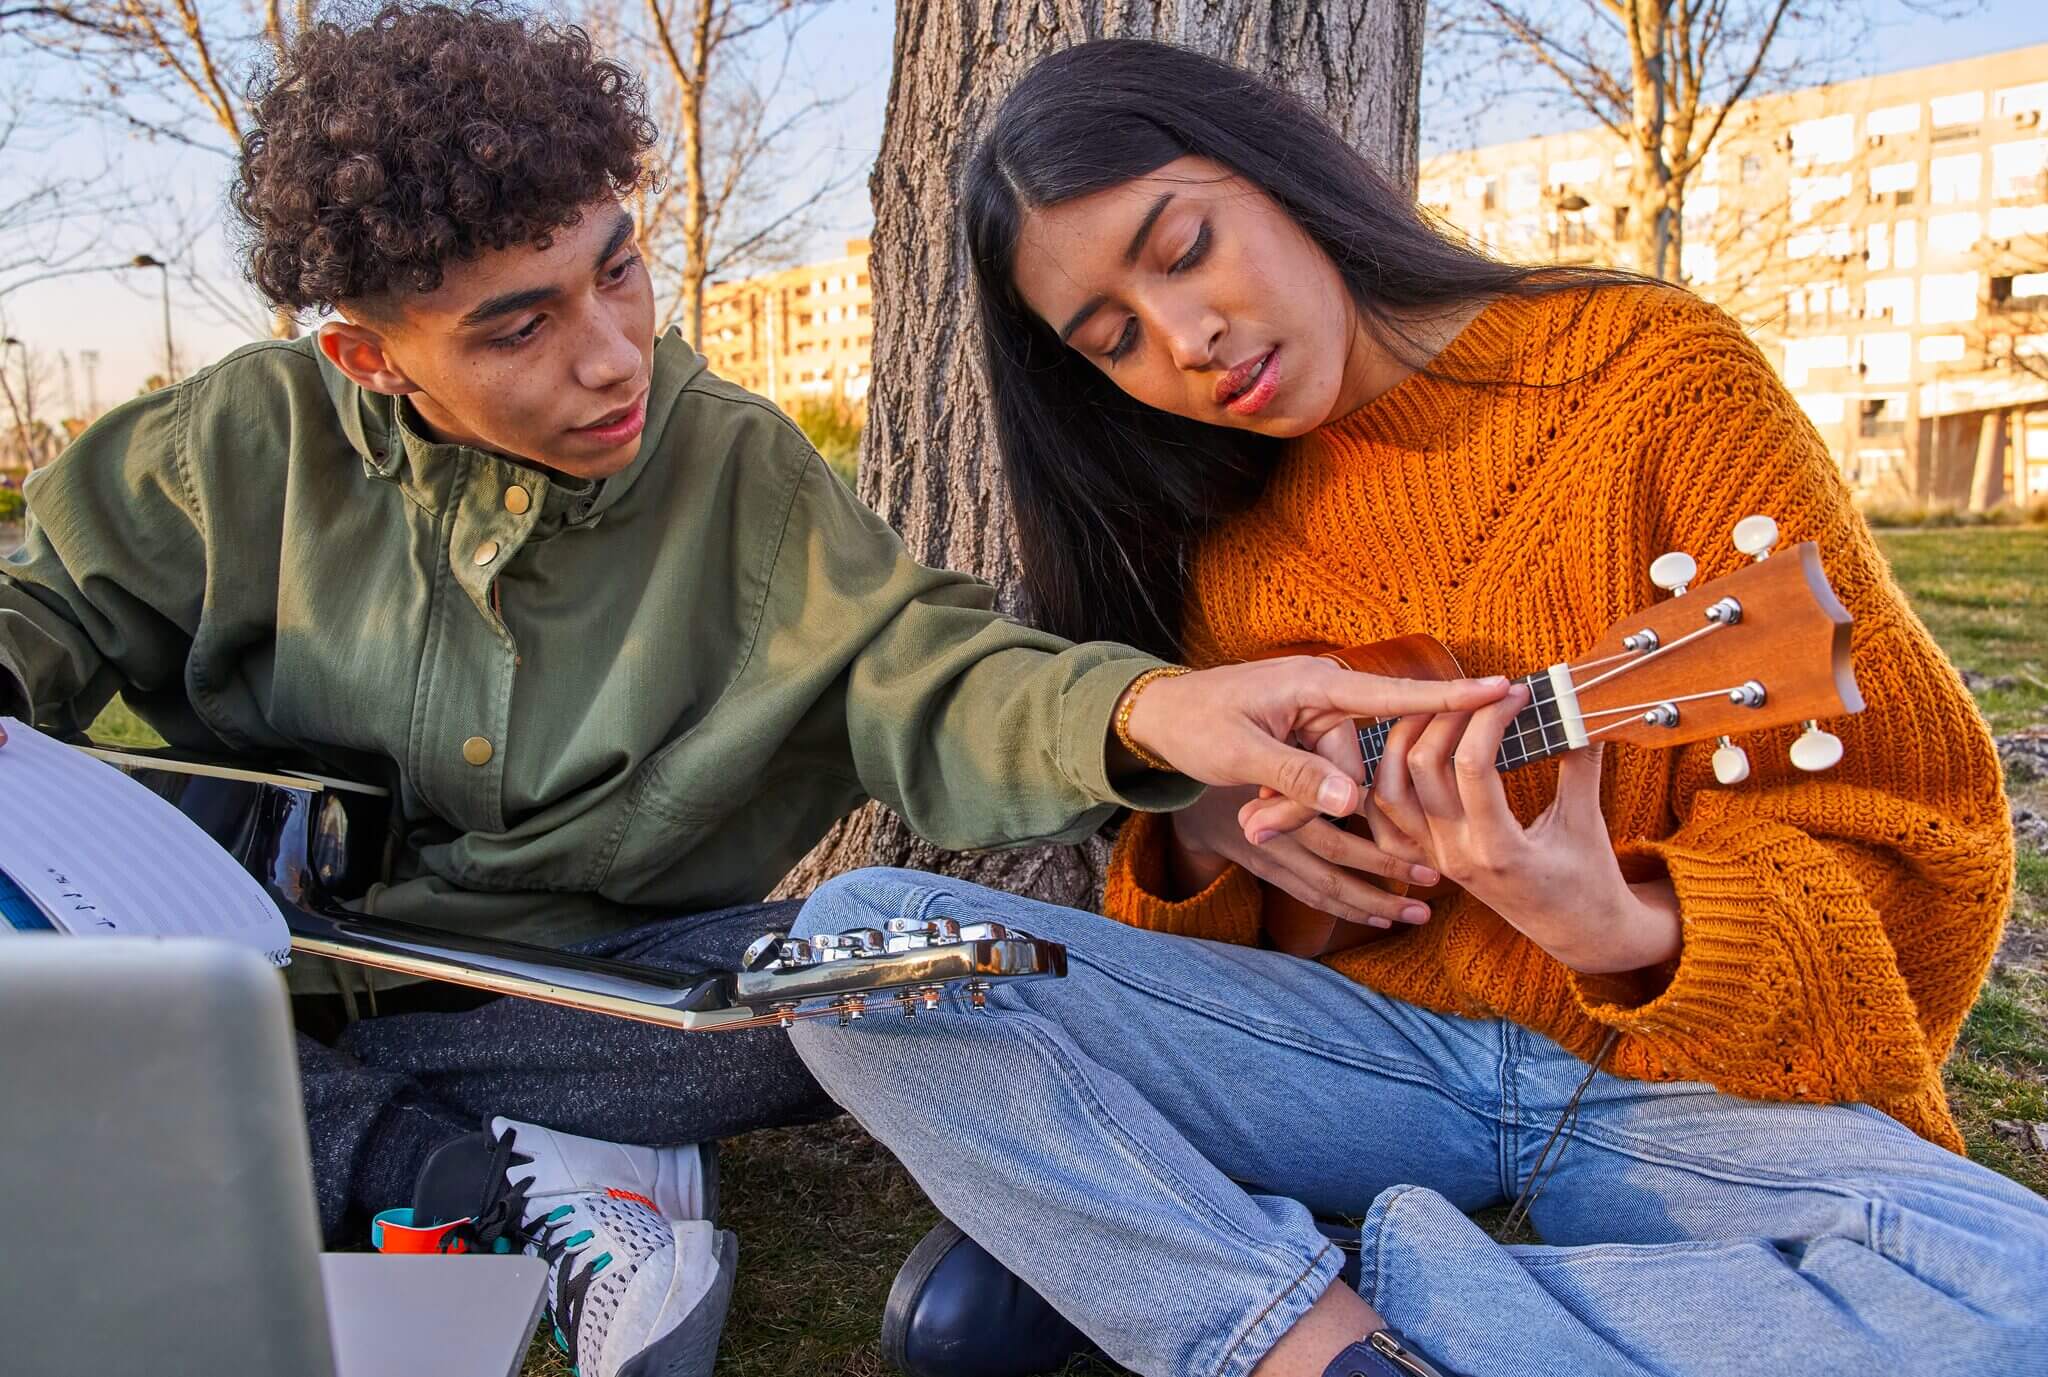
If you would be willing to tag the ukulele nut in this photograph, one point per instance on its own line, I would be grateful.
(1663, 715)
(1644, 640)
(1725, 612)
(1749, 694)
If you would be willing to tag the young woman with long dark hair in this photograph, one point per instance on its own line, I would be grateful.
(1249, 397)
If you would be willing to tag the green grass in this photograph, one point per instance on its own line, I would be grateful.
(825, 1215)
(1984, 595)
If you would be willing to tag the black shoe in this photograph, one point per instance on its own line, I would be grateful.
(954, 1311)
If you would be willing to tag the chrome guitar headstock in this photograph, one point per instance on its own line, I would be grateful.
(910, 964)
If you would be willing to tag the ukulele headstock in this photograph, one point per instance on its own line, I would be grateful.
(1762, 647)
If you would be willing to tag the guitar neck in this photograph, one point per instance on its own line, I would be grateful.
(1537, 733)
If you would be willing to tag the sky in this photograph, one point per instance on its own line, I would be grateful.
(844, 51)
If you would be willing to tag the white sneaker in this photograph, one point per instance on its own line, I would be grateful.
(679, 1182)
(637, 1284)
(638, 1278)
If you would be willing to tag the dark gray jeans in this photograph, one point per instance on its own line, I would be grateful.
(393, 1088)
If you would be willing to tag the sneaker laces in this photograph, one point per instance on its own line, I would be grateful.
(500, 1215)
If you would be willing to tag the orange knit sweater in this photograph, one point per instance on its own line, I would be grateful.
(1836, 926)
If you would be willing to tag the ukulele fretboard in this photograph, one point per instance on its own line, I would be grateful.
(1537, 732)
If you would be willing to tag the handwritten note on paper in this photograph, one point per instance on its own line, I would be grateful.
(102, 855)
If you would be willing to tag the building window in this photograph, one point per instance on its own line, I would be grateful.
(1572, 172)
(1889, 298)
(1803, 356)
(1894, 119)
(2016, 169)
(1621, 222)
(1893, 177)
(1828, 140)
(1822, 408)
(2017, 102)
(1881, 416)
(1809, 194)
(1950, 111)
(2018, 287)
(1885, 358)
(1948, 297)
(1954, 234)
(1941, 348)
(1956, 178)
(2018, 222)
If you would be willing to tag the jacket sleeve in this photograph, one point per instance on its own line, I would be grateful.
(104, 592)
(1836, 926)
(979, 731)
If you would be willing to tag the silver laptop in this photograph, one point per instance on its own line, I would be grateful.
(158, 1193)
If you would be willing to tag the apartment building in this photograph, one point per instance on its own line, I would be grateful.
(802, 334)
(1885, 240)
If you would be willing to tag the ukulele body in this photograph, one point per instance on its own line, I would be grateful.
(1292, 926)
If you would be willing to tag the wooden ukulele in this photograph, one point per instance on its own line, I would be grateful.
(1765, 646)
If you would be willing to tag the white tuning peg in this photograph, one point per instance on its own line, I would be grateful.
(1755, 536)
(1731, 762)
(1673, 571)
(1815, 749)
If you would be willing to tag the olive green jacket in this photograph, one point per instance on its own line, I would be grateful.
(595, 702)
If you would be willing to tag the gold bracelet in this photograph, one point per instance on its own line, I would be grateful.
(1130, 700)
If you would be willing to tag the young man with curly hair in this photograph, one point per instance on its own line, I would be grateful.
(622, 644)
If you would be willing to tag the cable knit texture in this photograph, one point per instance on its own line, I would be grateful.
(1836, 926)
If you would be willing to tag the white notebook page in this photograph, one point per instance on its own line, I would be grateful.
(105, 857)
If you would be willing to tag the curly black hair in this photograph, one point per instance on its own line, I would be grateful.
(427, 135)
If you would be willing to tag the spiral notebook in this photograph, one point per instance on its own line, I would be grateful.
(88, 851)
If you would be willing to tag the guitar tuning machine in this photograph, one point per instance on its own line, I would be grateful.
(1673, 571)
(853, 1006)
(1731, 762)
(1755, 536)
(1816, 750)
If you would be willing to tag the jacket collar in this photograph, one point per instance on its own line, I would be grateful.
(387, 436)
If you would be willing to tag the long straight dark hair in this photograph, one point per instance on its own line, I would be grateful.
(1109, 495)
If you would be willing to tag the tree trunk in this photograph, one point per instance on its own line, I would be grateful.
(1649, 178)
(928, 458)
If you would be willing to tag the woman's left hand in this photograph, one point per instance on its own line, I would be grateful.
(1556, 880)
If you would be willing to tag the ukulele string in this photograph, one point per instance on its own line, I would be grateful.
(1646, 656)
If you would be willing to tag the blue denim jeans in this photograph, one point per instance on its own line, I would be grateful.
(1147, 1141)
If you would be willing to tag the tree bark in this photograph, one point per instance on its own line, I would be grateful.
(928, 458)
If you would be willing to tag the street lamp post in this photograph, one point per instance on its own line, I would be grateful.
(1563, 202)
(24, 425)
(144, 260)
